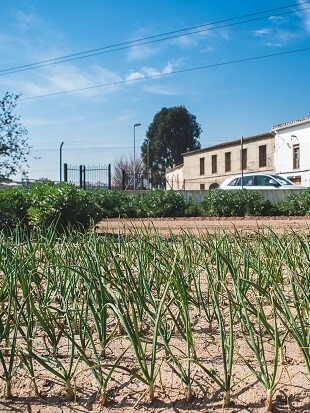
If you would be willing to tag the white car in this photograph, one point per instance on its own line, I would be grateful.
(257, 181)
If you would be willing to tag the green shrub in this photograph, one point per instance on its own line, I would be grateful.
(295, 205)
(111, 204)
(14, 203)
(63, 203)
(193, 208)
(234, 203)
(161, 203)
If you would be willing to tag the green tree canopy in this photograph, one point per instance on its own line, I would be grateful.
(173, 131)
(13, 138)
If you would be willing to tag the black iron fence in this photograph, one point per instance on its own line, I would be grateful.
(141, 181)
(88, 177)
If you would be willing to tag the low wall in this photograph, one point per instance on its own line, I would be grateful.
(273, 195)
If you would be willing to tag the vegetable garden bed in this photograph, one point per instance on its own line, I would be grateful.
(149, 323)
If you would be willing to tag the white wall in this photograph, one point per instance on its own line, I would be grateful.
(174, 178)
(285, 138)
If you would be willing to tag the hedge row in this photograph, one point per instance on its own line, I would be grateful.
(65, 204)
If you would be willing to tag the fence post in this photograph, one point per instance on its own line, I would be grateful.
(109, 175)
(65, 172)
(123, 179)
(81, 176)
(84, 177)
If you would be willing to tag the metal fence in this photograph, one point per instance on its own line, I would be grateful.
(141, 181)
(88, 177)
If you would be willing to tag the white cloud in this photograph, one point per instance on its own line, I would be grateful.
(134, 76)
(207, 49)
(142, 52)
(274, 44)
(262, 32)
(30, 122)
(147, 72)
(160, 90)
(183, 41)
(27, 20)
(305, 17)
(190, 40)
(63, 78)
(277, 19)
(125, 117)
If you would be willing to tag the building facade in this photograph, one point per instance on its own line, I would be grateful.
(207, 168)
(285, 151)
(292, 150)
(175, 178)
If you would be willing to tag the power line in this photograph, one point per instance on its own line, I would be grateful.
(120, 82)
(150, 39)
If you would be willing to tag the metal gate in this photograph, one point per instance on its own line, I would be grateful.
(88, 177)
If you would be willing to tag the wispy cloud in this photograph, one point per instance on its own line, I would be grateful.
(191, 40)
(183, 41)
(63, 78)
(305, 17)
(161, 90)
(125, 117)
(142, 52)
(276, 37)
(147, 71)
(207, 49)
(27, 19)
(285, 30)
(30, 122)
(277, 19)
(262, 32)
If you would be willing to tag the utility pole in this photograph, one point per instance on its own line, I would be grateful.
(134, 154)
(241, 156)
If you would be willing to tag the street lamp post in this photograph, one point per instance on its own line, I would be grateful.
(134, 154)
(148, 164)
(60, 162)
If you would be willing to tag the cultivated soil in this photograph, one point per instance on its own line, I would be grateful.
(177, 226)
(128, 395)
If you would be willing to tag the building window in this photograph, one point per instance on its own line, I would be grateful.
(227, 161)
(244, 159)
(202, 166)
(295, 179)
(214, 163)
(202, 187)
(296, 157)
(262, 155)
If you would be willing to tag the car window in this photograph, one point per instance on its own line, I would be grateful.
(265, 180)
(282, 180)
(248, 180)
(234, 182)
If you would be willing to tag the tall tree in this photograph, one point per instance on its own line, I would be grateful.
(173, 131)
(13, 138)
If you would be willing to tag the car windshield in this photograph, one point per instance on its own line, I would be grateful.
(282, 180)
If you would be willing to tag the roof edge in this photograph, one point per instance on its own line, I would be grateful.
(229, 143)
(291, 123)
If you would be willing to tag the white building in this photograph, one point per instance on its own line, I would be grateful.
(174, 178)
(285, 150)
(292, 150)
(208, 167)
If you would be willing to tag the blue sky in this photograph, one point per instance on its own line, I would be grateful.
(96, 124)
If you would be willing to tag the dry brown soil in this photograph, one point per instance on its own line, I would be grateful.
(175, 226)
(127, 395)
